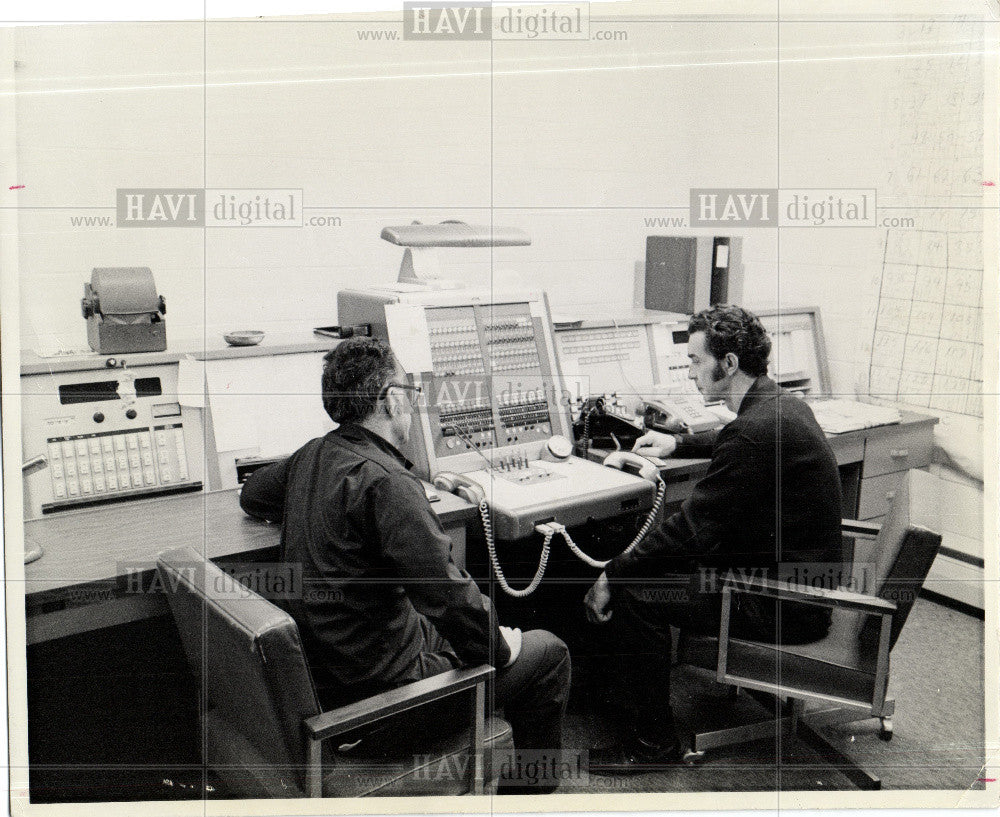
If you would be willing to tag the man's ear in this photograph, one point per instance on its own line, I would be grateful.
(731, 362)
(392, 402)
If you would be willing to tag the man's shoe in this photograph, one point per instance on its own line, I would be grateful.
(635, 756)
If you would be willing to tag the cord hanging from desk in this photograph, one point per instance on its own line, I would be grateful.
(484, 513)
(549, 530)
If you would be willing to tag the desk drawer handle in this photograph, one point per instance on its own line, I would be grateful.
(899, 453)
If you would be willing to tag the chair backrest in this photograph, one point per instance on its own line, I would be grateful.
(904, 553)
(245, 653)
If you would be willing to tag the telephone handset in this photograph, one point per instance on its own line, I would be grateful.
(460, 485)
(648, 467)
(677, 412)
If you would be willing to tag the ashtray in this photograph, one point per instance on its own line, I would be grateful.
(249, 337)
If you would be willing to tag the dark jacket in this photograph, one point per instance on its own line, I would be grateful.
(771, 499)
(374, 561)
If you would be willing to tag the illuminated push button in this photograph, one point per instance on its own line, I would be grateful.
(59, 489)
(99, 485)
(81, 446)
(164, 458)
(161, 438)
(144, 439)
(72, 487)
(133, 441)
(112, 481)
(109, 462)
(136, 480)
(133, 459)
(57, 470)
(96, 464)
(166, 475)
(71, 468)
(147, 457)
(107, 445)
(67, 448)
(55, 451)
(95, 445)
(122, 462)
(150, 476)
(86, 486)
(119, 442)
(123, 477)
(84, 466)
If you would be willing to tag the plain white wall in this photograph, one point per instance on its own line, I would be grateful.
(575, 142)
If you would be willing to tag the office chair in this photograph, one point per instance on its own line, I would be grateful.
(847, 672)
(263, 731)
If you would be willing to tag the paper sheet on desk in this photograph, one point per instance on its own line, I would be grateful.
(273, 404)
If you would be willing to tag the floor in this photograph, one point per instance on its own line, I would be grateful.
(936, 679)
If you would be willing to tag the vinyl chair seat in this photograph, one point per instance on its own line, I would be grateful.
(837, 665)
(842, 677)
(435, 768)
(259, 698)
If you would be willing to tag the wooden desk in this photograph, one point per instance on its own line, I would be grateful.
(99, 562)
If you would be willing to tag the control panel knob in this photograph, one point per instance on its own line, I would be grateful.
(131, 413)
(98, 417)
(559, 447)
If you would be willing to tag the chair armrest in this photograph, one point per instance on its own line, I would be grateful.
(345, 718)
(854, 527)
(817, 595)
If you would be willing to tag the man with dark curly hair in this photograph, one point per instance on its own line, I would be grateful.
(385, 603)
(771, 499)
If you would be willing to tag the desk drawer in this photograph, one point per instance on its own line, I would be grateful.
(898, 450)
(877, 494)
(847, 449)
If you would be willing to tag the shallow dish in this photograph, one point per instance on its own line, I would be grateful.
(244, 338)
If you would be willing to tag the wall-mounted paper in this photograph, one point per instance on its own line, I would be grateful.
(191, 382)
(273, 404)
(406, 325)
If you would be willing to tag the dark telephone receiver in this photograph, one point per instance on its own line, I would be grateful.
(599, 428)
(459, 485)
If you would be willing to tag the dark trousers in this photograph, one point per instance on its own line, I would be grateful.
(637, 643)
(533, 691)
(638, 639)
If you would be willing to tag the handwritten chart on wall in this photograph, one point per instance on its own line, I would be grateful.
(927, 348)
(926, 334)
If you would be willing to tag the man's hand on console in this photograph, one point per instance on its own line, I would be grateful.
(655, 444)
(598, 601)
(512, 635)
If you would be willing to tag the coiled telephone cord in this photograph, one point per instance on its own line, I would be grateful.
(661, 490)
(484, 513)
(553, 528)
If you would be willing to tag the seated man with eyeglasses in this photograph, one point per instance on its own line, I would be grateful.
(383, 603)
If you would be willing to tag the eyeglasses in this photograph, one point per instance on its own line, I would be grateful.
(417, 390)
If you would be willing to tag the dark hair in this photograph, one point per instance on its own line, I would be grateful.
(734, 329)
(354, 374)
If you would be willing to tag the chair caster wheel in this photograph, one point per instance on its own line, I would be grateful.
(885, 730)
(691, 756)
